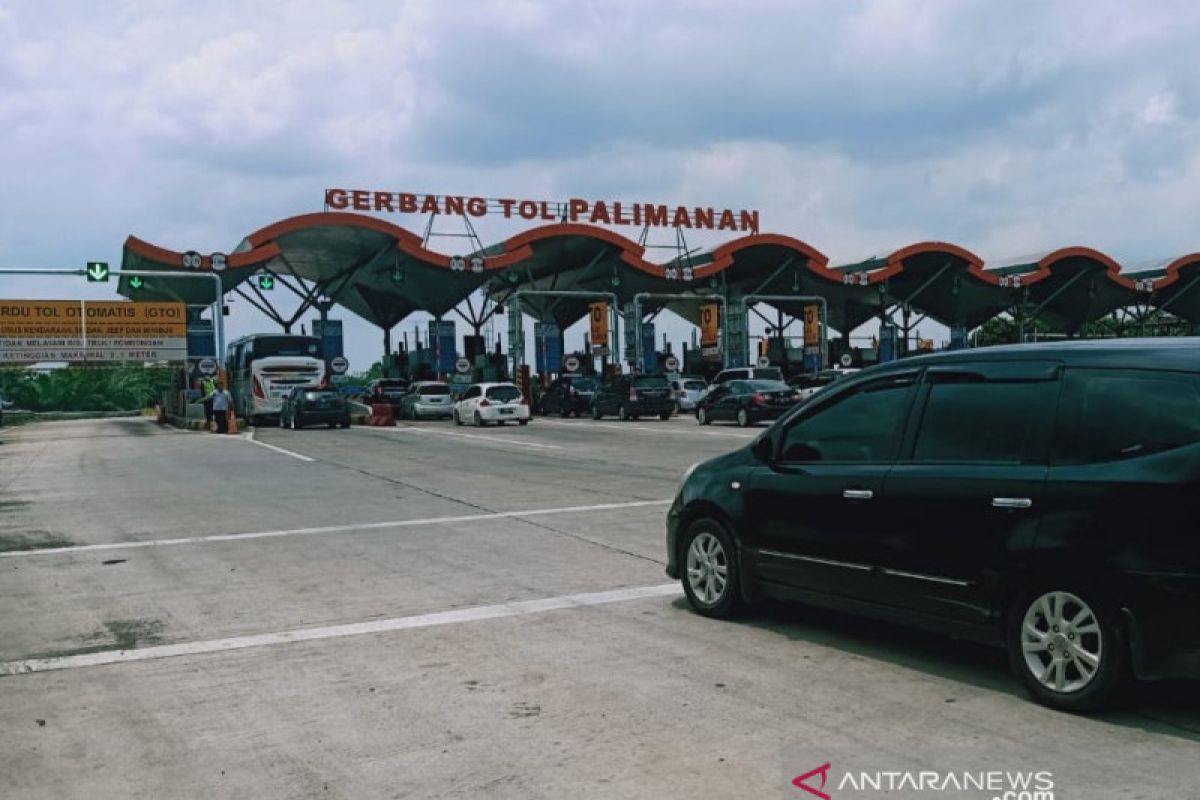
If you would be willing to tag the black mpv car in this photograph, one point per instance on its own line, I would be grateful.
(1041, 497)
(633, 396)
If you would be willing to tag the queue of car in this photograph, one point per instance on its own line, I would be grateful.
(745, 396)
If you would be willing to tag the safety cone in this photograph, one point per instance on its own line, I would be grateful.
(233, 426)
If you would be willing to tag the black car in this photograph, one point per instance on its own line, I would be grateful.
(568, 396)
(387, 390)
(307, 405)
(633, 396)
(746, 402)
(1039, 497)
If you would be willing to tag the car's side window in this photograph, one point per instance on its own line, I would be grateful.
(863, 424)
(1113, 414)
(981, 421)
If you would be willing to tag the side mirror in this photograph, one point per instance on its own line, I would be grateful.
(764, 449)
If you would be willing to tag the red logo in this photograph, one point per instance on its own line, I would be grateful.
(799, 781)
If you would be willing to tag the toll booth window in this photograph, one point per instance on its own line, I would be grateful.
(1109, 415)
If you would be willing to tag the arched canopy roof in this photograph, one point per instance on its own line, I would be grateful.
(383, 272)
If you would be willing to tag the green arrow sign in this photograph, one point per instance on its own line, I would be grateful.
(136, 282)
(266, 282)
(97, 271)
(397, 276)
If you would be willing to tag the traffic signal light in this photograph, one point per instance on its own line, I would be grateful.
(266, 282)
(97, 272)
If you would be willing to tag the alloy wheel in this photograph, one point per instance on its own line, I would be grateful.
(707, 569)
(1061, 642)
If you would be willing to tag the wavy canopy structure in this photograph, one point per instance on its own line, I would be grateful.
(384, 273)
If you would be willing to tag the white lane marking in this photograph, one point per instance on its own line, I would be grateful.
(480, 437)
(366, 526)
(250, 438)
(619, 427)
(474, 614)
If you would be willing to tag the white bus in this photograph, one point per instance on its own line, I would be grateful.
(264, 367)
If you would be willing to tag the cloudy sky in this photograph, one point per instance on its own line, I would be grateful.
(1007, 127)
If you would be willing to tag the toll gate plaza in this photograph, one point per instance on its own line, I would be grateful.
(558, 272)
(424, 609)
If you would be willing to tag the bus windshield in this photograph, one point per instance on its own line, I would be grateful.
(268, 346)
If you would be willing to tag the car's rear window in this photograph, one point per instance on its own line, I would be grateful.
(768, 386)
(584, 384)
(386, 384)
(695, 386)
(767, 374)
(435, 388)
(505, 394)
(650, 382)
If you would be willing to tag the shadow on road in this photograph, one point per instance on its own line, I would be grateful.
(1169, 708)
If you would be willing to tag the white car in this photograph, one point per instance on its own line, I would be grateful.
(482, 403)
(687, 392)
(808, 384)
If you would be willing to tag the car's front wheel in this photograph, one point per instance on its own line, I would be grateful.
(596, 412)
(710, 575)
(702, 417)
(743, 418)
(1067, 647)
(457, 418)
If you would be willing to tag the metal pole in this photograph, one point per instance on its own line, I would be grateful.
(817, 299)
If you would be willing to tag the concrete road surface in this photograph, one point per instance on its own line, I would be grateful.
(436, 611)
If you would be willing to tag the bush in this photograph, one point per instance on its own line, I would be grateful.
(87, 388)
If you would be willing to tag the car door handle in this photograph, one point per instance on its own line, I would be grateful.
(1011, 502)
(858, 494)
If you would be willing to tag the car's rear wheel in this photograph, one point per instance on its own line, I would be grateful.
(478, 420)
(702, 417)
(1067, 647)
(295, 422)
(622, 413)
(743, 418)
(665, 415)
(282, 424)
(564, 412)
(522, 422)
(710, 574)
(596, 412)
(457, 418)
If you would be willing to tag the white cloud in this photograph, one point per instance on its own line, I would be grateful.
(1007, 127)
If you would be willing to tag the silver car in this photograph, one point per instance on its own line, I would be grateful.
(426, 399)
(687, 392)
